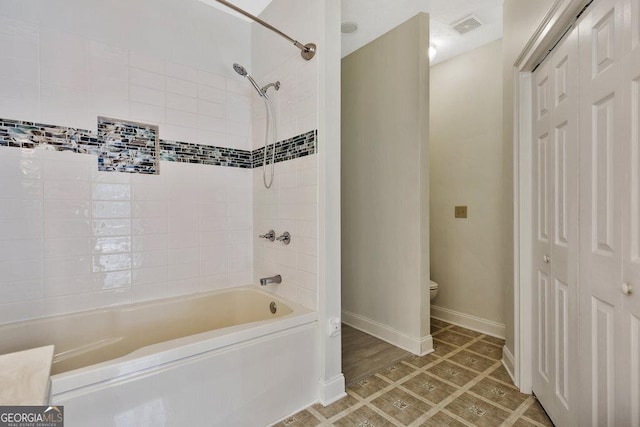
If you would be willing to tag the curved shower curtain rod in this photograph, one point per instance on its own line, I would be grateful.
(307, 51)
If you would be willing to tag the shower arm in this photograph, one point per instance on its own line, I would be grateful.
(307, 51)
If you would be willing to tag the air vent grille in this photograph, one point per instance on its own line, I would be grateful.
(466, 24)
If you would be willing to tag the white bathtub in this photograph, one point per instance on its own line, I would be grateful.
(216, 358)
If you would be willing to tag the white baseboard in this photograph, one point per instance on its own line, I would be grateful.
(468, 321)
(385, 333)
(332, 390)
(509, 363)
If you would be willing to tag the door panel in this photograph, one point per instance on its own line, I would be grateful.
(629, 382)
(555, 216)
(601, 154)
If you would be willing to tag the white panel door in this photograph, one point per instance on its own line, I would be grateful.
(629, 348)
(555, 296)
(601, 159)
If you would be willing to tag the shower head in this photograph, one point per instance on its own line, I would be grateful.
(243, 72)
(240, 69)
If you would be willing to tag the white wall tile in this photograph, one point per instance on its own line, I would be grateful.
(22, 310)
(145, 95)
(20, 228)
(138, 77)
(182, 87)
(211, 80)
(147, 113)
(181, 71)
(211, 94)
(21, 249)
(146, 62)
(182, 102)
(66, 247)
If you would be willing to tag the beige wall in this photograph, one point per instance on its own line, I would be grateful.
(520, 20)
(385, 192)
(468, 256)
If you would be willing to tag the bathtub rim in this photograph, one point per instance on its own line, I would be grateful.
(154, 355)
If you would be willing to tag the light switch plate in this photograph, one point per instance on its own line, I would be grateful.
(461, 212)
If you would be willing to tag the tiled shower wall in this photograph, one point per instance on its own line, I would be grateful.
(73, 238)
(292, 202)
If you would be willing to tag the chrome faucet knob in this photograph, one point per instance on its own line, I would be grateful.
(270, 236)
(284, 238)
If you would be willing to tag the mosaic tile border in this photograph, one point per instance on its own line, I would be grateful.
(185, 152)
(125, 146)
(128, 146)
(288, 149)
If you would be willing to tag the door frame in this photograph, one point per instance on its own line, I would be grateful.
(561, 14)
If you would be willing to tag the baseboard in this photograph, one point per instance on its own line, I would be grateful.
(332, 390)
(468, 321)
(509, 363)
(385, 333)
(426, 345)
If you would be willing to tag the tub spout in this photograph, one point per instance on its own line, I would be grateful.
(267, 280)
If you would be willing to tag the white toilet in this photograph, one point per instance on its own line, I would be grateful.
(433, 289)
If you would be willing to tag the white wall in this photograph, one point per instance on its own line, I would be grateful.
(520, 20)
(385, 186)
(291, 204)
(468, 258)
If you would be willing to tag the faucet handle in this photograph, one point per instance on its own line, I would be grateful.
(270, 236)
(284, 238)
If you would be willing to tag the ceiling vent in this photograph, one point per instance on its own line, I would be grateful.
(466, 24)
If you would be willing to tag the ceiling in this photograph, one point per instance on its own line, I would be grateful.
(254, 7)
(376, 17)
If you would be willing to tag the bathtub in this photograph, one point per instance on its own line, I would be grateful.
(238, 357)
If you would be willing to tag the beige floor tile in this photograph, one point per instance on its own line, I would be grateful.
(496, 392)
(477, 411)
(453, 338)
(493, 340)
(439, 323)
(483, 405)
(397, 371)
(472, 361)
(465, 331)
(401, 406)
(336, 407)
(421, 361)
(442, 419)
(453, 373)
(537, 414)
(301, 419)
(368, 386)
(429, 387)
(487, 350)
(441, 348)
(363, 416)
(501, 374)
(521, 422)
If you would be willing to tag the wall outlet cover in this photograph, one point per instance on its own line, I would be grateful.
(460, 212)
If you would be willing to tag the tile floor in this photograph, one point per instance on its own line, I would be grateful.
(462, 383)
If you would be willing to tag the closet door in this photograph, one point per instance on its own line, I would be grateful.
(556, 249)
(629, 404)
(601, 196)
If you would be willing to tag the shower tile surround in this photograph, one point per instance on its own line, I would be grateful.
(77, 235)
(74, 238)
